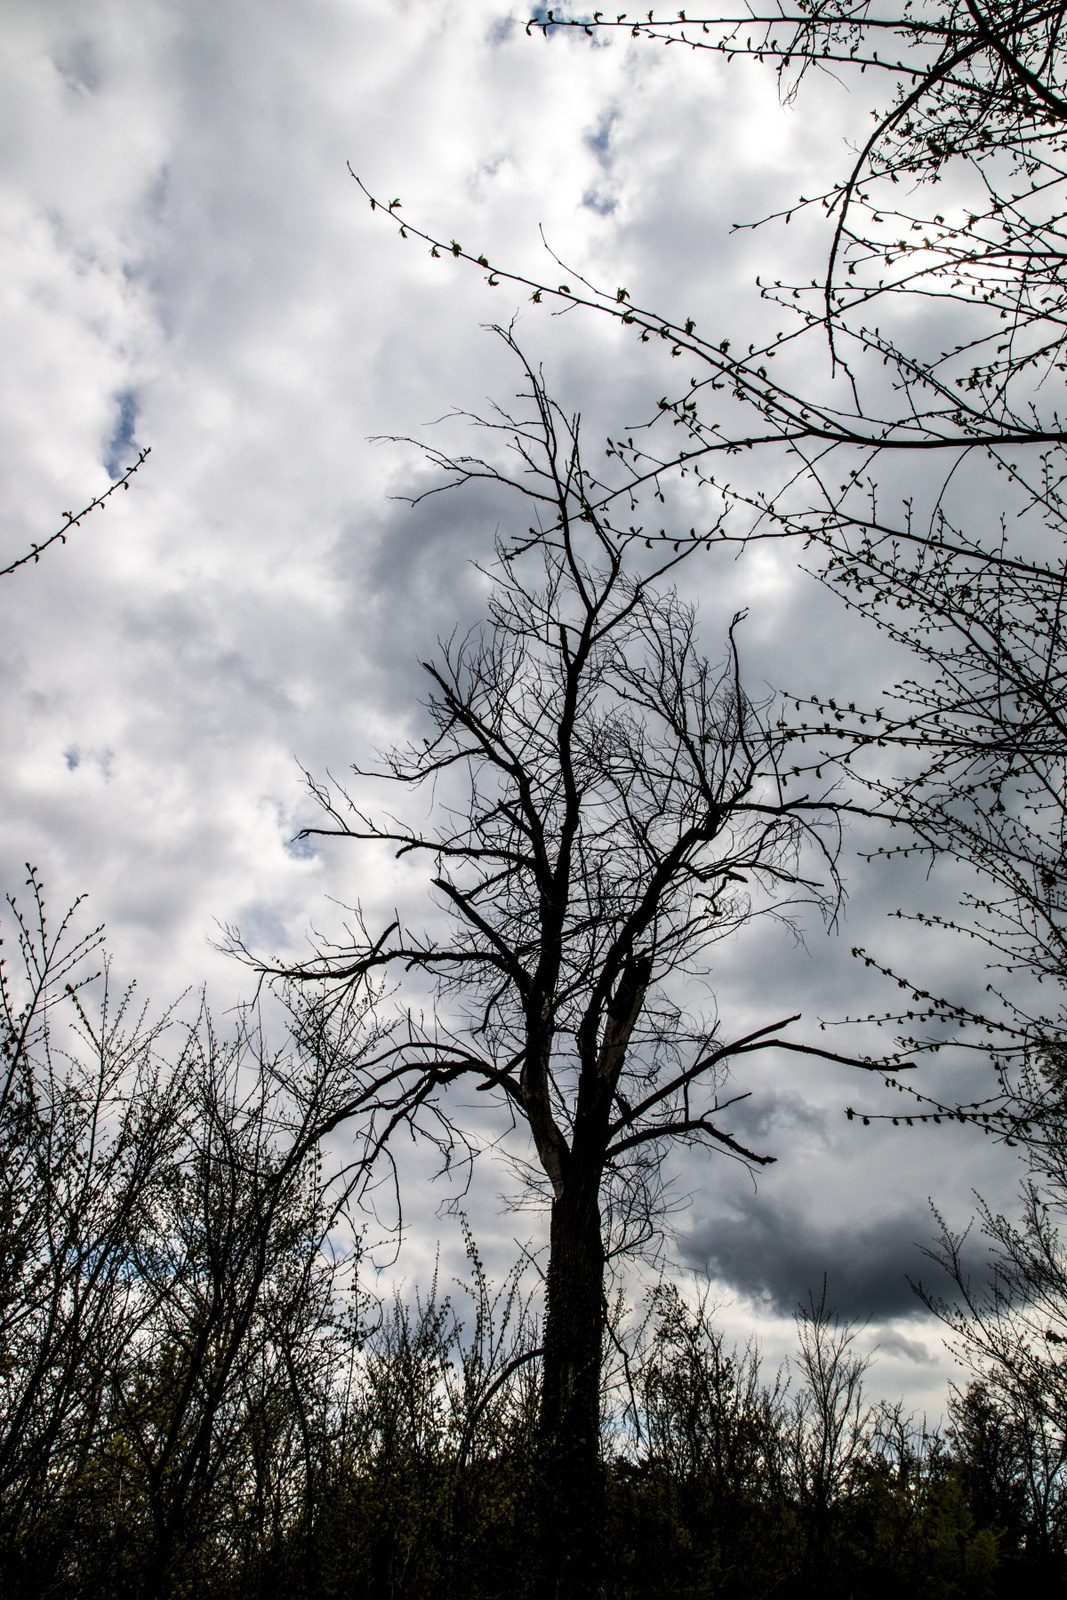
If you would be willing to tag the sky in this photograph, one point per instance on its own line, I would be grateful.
(188, 266)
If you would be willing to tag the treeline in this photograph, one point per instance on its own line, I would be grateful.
(198, 1398)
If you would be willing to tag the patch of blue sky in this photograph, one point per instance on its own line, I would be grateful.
(600, 138)
(103, 760)
(301, 848)
(121, 445)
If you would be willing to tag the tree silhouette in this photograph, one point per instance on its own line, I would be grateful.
(608, 807)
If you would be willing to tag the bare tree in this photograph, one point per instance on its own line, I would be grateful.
(970, 98)
(965, 104)
(220, 1399)
(86, 1128)
(608, 808)
(967, 757)
(171, 1251)
(973, 94)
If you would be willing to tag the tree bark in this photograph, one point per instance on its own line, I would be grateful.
(571, 1479)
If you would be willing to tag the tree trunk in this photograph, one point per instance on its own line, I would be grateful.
(570, 1471)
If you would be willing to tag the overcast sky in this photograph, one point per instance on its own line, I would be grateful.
(187, 265)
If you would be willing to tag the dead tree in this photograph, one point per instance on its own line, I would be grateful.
(608, 807)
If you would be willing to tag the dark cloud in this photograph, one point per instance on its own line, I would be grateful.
(895, 1344)
(773, 1251)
